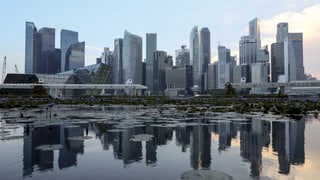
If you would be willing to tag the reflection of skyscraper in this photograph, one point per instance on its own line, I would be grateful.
(151, 146)
(280, 144)
(297, 141)
(183, 137)
(70, 148)
(200, 147)
(132, 151)
(31, 156)
(224, 135)
(253, 138)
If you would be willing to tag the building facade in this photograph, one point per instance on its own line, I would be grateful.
(151, 47)
(183, 56)
(132, 58)
(67, 38)
(118, 54)
(75, 56)
(277, 61)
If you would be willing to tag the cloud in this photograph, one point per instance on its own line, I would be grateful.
(305, 21)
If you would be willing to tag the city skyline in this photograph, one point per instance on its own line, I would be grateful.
(172, 28)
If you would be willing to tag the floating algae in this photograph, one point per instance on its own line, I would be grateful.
(49, 147)
(141, 137)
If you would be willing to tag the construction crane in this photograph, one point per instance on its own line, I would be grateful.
(16, 68)
(4, 69)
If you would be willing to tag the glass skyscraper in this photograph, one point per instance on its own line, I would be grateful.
(293, 57)
(118, 52)
(67, 38)
(75, 56)
(195, 55)
(31, 44)
(132, 58)
(47, 62)
(151, 47)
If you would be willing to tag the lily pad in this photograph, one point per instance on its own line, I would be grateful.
(141, 137)
(205, 175)
(79, 138)
(49, 147)
(116, 130)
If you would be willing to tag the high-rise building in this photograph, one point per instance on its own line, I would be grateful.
(160, 59)
(179, 78)
(293, 57)
(151, 47)
(118, 52)
(248, 50)
(31, 58)
(75, 56)
(195, 55)
(213, 76)
(277, 60)
(183, 56)
(254, 31)
(67, 38)
(225, 67)
(47, 62)
(132, 58)
(282, 31)
(107, 58)
(200, 55)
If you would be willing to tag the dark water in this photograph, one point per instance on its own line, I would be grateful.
(99, 143)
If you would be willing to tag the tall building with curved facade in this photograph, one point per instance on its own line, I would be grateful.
(195, 55)
(30, 44)
(67, 38)
(132, 58)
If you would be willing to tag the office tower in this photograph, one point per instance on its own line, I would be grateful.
(293, 57)
(225, 67)
(31, 58)
(205, 56)
(151, 47)
(67, 38)
(75, 56)
(118, 52)
(179, 78)
(107, 58)
(277, 61)
(254, 31)
(247, 50)
(183, 56)
(160, 60)
(47, 62)
(57, 60)
(144, 73)
(282, 32)
(213, 75)
(132, 58)
(205, 53)
(195, 55)
(200, 55)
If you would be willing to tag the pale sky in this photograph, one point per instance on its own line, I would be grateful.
(99, 22)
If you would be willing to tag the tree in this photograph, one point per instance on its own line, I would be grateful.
(230, 90)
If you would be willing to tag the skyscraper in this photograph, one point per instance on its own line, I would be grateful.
(67, 38)
(293, 57)
(277, 60)
(30, 56)
(254, 31)
(225, 67)
(151, 47)
(183, 56)
(132, 58)
(160, 59)
(200, 55)
(75, 56)
(282, 31)
(248, 50)
(195, 55)
(47, 62)
(118, 52)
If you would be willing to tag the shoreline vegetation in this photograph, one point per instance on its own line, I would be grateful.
(294, 107)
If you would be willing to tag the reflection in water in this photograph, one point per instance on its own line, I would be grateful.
(254, 135)
(288, 142)
(49, 135)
